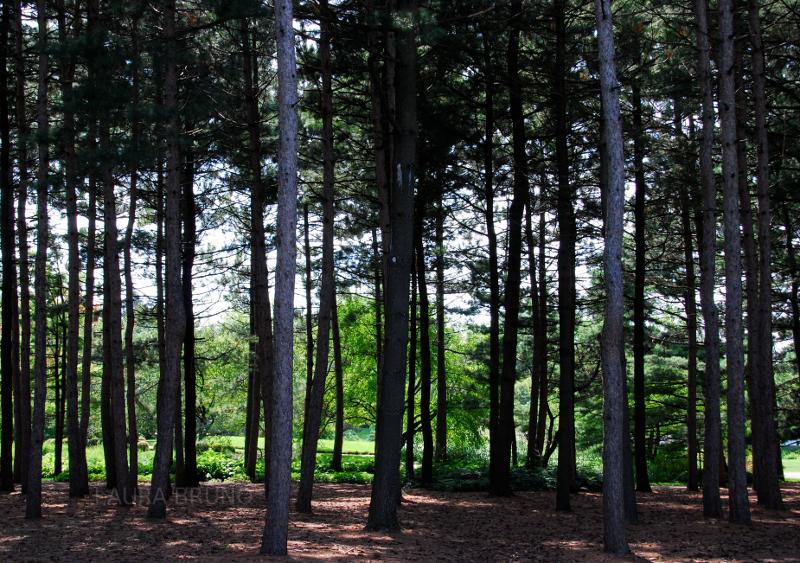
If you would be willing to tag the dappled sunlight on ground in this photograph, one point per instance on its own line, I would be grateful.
(224, 521)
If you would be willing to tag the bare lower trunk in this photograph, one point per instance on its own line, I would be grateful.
(33, 499)
(441, 374)
(327, 301)
(338, 369)
(386, 483)
(426, 473)
(712, 506)
(274, 540)
(739, 509)
(175, 317)
(411, 392)
(612, 339)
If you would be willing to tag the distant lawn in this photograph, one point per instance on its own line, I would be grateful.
(791, 462)
(356, 447)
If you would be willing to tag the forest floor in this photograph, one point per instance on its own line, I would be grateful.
(222, 521)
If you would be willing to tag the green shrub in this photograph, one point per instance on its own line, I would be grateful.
(216, 465)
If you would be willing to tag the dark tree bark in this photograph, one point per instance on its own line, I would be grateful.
(565, 215)
(191, 479)
(541, 342)
(508, 374)
(275, 535)
(441, 373)
(494, 276)
(309, 314)
(338, 369)
(794, 290)
(639, 391)
(24, 261)
(175, 319)
(112, 327)
(9, 269)
(534, 453)
(377, 283)
(327, 301)
(612, 339)
(426, 471)
(33, 499)
(712, 506)
(57, 390)
(130, 316)
(737, 484)
(386, 483)
(412, 380)
(690, 303)
(78, 482)
(766, 461)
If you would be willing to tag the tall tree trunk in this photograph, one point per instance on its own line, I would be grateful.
(9, 269)
(540, 351)
(767, 461)
(441, 374)
(411, 392)
(175, 322)
(24, 261)
(130, 316)
(494, 277)
(327, 301)
(78, 478)
(794, 290)
(309, 313)
(534, 455)
(189, 360)
(378, 282)
(338, 369)
(260, 305)
(508, 374)
(712, 506)
(639, 392)
(691, 327)
(737, 484)
(426, 475)
(33, 499)
(386, 483)
(275, 535)
(58, 430)
(112, 329)
(565, 215)
(612, 338)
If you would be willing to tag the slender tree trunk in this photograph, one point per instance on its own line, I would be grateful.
(378, 282)
(24, 261)
(494, 277)
(507, 428)
(794, 290)
(338, 369)
(767, 461)
(327, 301)
(540, 351)
(534, 454)
(411, 392)
(78, 482)
(112, 304)
(33, 499)
(189, 360)
(712, 506)
(639, 392)
(612, 339)
(441, 374)
(9, 268)
(130, 316)
(309, 314)
(386, 483)
(280, 457)
(691, 332)
(565, 214)
(58, 437)
(175, 322)
(739, 509)
(426, 475)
